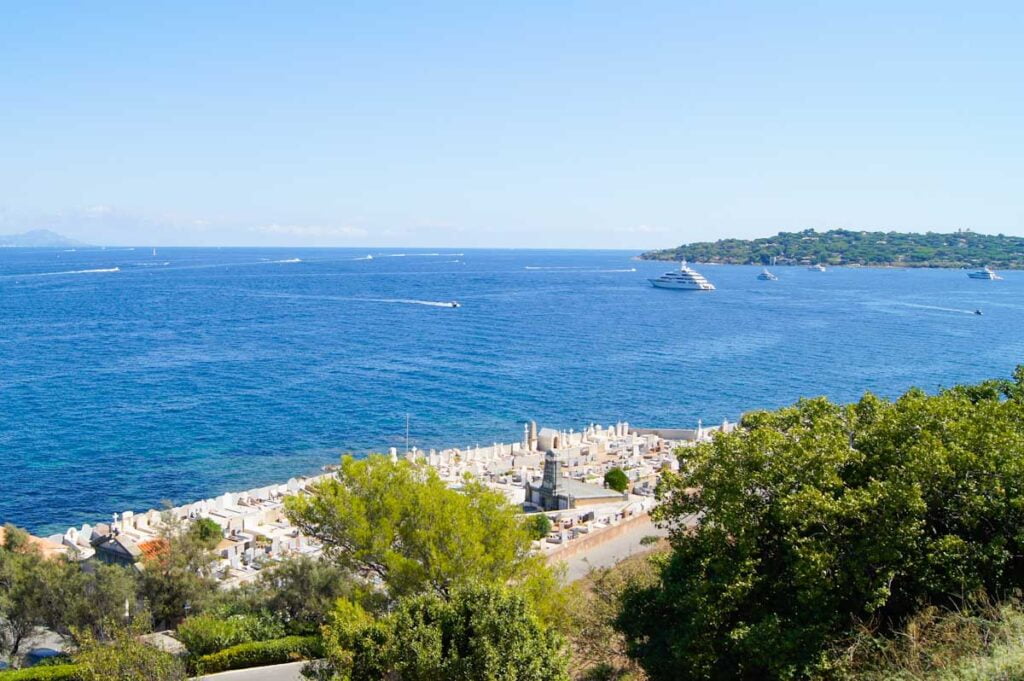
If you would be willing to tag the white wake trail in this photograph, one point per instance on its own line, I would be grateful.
(56, 274)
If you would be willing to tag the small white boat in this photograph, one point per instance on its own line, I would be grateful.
(817, 268)
(767, 276)
(985, 273)
(685, 279)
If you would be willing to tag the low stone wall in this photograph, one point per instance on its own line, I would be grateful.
(570, 549)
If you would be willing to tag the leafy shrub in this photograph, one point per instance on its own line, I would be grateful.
(207, 532)
(480, 632)
(64, 672)
(206, 634)
(262, 653)
(538, 526)
(617, 480)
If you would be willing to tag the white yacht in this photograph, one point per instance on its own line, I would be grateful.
(767, 276)
(686, 278)
(817, 268)
(985, 273)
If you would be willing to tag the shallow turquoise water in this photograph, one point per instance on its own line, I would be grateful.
(198, 371)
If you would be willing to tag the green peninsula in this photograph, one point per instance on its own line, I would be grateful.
(846, 247)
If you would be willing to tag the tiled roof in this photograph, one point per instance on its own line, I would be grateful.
(153, 548)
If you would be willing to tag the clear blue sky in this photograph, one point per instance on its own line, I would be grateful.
(546, 124)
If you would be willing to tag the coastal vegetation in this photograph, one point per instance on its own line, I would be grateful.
(822, 523)
(473, 633)
(404, 526)
(407, 559)
(876, 540)
(963, 248)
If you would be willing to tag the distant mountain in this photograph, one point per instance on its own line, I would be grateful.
(846, 247)
(38, 238)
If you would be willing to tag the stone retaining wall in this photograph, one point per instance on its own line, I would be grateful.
(570, 549)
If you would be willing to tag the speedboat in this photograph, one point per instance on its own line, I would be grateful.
(454, 304)
(977, 312)
(767, 276)
(985, 273)
(817, 268)
(686, 279)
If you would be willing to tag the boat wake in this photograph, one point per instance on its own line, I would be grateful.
(406, 301)
(56, 274)
(937, 307)
(284, 262)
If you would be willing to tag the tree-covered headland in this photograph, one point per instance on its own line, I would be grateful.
(847, 247)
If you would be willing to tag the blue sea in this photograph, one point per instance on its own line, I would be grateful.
(128, 378)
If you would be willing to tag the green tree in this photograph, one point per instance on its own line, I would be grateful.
(477, 633)
(303, 591)
(616, 479)
(178, 579)
(22, 603)
(816, 516)
(401, 524)
(538, 526)
(93, 602)
(206, 532)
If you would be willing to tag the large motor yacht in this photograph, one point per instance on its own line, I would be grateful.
(686, 278)
(986, 273)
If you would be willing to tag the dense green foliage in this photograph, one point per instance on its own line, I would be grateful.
(88, 602)
(64, 672)
(538, 526)
(22, 595)
(178, 580)
(205, 634)
(616, 479)
(206, 532)
(844, 247)
(401, 524)
(817, 516)
(300, 592)
(475, 633)
(127, 658)
(262, 653)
